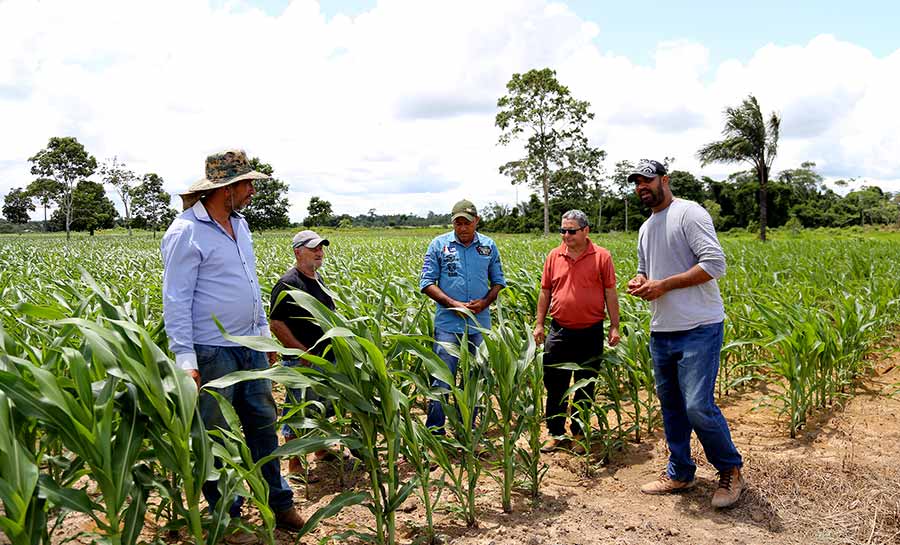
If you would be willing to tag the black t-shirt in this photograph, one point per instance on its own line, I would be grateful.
(293, 315)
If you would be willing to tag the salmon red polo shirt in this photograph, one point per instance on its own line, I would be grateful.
(576, 286)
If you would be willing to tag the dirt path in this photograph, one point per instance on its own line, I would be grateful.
(838, 482)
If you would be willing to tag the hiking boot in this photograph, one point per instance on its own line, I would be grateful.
(578, 447)
(328, 455)
(295, 466)
(555, 444)
(731, 484)
(241, 537)
(289, 520)
(666, 485)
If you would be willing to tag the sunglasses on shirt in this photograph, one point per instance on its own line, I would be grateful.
(570, 231)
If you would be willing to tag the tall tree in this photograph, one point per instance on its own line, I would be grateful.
(66, 162)
(538, 109)
(747, 138)
(46, 191)
(152, 203)
(588, 161)
(319, 212)
(91, 208)
(620, 180)
(269, 207)
(16, 206)
(124, 181)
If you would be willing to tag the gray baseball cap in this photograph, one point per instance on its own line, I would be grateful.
(309, 239)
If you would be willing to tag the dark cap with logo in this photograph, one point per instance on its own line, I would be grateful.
(464, 209)
(647, 168)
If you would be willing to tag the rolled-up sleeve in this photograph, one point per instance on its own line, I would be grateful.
(431, 267)
(701, 237)
(181, 261)
(495, 269)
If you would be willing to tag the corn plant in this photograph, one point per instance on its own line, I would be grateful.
(99, 423)
(25, 512)
(510, 350)
(418, 443)
(461, 405)
(530, 455)
(361, 380)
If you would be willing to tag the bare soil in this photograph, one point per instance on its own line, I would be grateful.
(837, 482)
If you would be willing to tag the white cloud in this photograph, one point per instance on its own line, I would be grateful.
(394, 108)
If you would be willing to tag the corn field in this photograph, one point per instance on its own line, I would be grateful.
(96, 419)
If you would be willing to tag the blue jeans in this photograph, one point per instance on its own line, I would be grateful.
(255, 406)
(685, 365)
(436, 417)
(299, 395)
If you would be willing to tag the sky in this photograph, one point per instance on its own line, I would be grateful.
(390, 104)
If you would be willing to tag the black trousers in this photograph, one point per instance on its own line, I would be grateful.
(565, 345)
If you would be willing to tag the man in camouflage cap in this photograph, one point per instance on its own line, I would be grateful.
(209, 268)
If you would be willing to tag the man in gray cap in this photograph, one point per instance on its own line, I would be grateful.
(292, 325)
(461, 270)
(209, 268)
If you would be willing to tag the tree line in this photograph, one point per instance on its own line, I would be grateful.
(540, 115)
(63, 170)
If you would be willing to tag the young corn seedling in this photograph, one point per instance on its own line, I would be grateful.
(510, 351)
(417, 443)
(361, 380)
(461, 405)
(530, 455)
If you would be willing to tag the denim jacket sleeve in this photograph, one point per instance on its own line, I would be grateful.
(431, 267)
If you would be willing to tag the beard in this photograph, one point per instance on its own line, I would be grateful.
(651, 197)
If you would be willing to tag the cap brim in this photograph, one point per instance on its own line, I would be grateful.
(314, 243)
(206, 185)
(634, 175)
(469, 217)
(194, 192)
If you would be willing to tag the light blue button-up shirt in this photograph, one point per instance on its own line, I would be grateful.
(206, 273)
(463, 273)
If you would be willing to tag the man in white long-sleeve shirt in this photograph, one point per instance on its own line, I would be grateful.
(209, 269)
(679, 259)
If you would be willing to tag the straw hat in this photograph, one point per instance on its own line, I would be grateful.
(222, 169)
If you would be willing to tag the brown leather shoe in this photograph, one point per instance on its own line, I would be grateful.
(241, 537)
(289, 520)
(666, 485)
(295, 465)
(578, 445)
(555, 444)
(731, 484)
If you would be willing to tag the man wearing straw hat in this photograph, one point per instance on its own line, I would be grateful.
(210, 269)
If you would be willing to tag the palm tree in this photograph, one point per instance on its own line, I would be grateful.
(747, 137)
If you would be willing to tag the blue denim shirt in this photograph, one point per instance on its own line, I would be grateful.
(206, 272)
(463, 273)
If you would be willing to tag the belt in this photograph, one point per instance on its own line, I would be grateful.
(556, 325)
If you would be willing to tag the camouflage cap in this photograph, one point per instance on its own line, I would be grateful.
(464, 209)
(222, 169)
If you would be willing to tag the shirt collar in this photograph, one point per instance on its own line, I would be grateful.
(455, 239)
(203, 215)
(589, 249)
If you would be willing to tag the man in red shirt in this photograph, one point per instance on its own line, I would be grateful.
(578, 287)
